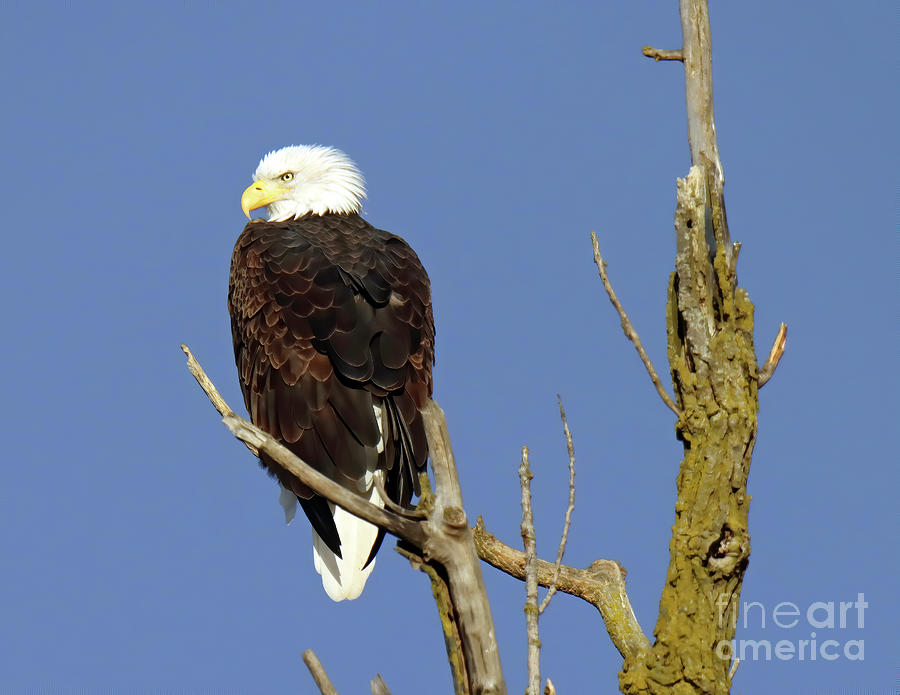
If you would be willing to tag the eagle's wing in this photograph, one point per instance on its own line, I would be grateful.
(330, 319)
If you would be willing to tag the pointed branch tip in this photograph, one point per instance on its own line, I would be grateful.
(570, 447)
(378, 686)
(775, 355)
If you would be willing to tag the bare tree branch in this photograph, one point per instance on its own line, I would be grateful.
(698, 91)
(450, 542)
(449, 624)
(775, 355)
(249, 433)
(569, 508)
(378, 686)
(209, 389)
(549, 688)
(698, 82)
(318, 673)
(602, 585)
(444, 536)
(630, 333)
(531, 583)
(258, 441)
(662, 54)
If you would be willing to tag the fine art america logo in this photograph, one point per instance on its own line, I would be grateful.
(822, 620)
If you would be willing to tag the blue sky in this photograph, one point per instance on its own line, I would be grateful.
(144, 551)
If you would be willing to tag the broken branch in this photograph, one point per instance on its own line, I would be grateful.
(602, 585)
(662, 53)
(775, 355)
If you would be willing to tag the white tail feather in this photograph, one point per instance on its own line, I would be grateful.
(344, 577)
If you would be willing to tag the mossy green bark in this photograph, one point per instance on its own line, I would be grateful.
(714, 372)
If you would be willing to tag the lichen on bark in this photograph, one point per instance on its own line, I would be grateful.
(714, 373)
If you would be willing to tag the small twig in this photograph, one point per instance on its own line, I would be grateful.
(531, 582)
(734, 668)
(378, 686)
(663, 54)
(569, 509)
(549, 688)
(630, 333)
(318, 673)
(775, 355)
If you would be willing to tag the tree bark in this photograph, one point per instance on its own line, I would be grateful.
(450, 543)
(709, 323)
(714, 374)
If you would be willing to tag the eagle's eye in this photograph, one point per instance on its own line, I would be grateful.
(287, 176)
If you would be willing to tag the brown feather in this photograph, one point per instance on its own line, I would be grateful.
(329, 316)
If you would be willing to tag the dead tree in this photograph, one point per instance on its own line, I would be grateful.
(716, 379)
(709, 324)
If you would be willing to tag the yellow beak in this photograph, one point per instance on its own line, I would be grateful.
(259, 194)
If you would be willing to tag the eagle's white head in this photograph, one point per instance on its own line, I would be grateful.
(301, 179)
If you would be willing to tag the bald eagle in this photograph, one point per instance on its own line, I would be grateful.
(334, 345)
